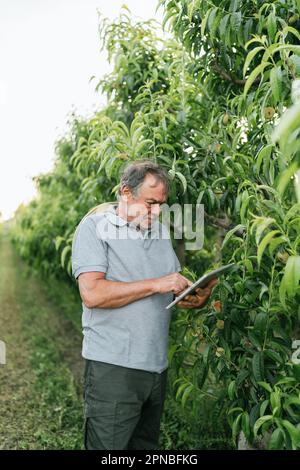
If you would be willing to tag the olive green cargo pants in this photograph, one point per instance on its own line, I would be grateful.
(122, 407)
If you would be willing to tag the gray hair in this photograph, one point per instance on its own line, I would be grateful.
(134, 174)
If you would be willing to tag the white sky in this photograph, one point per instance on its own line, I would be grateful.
(49, 49)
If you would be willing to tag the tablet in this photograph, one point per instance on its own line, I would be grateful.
(202, 281)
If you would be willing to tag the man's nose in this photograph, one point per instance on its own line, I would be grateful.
(155, 209)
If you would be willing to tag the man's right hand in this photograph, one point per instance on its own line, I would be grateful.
(174, 282)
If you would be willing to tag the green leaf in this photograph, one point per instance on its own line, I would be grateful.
(248, 265)
(236, 20)
(292, 400)
(271, 25)
(260, 422)
(264, 243)
(236, 426)
(291, 278)
(180, 389)
(295, 59)
(276, 440)
(286, 380)
(231, 232)
(223, 25)
(191, 9)
(204, 21)
(182, 178)
(205, 354)
(266, 386)
(211, 197)
(296, 372)
(231, 390)
(255, 340)
(275, 402)
(258, 366)
(289, 121)
(65, 252)
(260, 323)
(125, 7)
(170, 14)
(297, 184)
(285, 177)
(293, 432)
(274, 356)
(69, 267)
(261, 223)
(138, 148)
(58, 242)
(172, 173)
(290, 29)
(211, 18)
(263, 407)
(246, 424)
(276, 82)
(250, 57)
(172, 350)
(274, 243)
(244, 207)
(286, 47)
(233, 410)
(186, 394)
(253, 75)
(213, 28)
(256, 38)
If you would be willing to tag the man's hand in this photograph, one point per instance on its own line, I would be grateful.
(174, 282)
(199, 299)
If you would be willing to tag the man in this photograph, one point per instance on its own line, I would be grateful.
(126, 279)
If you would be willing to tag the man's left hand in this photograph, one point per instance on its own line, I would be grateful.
(200, 298)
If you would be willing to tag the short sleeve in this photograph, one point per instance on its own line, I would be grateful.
(177, 263)
(176, 260)
(89, 252)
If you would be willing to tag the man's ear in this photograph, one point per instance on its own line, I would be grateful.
(125, 193)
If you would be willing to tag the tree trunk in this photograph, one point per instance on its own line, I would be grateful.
(260, 443)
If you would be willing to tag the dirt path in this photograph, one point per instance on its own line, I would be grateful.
(41, 383)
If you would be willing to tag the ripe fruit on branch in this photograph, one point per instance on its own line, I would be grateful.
(220, 352)
(226, 118)
(283, 257)
(269, 112)
(294, 18)
(217, 305)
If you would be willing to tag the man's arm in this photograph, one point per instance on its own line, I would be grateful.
(98, 292)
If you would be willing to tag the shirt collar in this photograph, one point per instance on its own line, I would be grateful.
(115, 219)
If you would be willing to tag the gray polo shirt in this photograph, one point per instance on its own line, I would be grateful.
(135, 335)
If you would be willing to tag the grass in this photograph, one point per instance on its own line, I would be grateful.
(42, 380)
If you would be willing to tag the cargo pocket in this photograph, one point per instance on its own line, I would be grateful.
(100, 425)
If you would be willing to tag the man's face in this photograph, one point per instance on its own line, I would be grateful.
(144, 208)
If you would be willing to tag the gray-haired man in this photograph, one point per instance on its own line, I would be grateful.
(128, 273)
